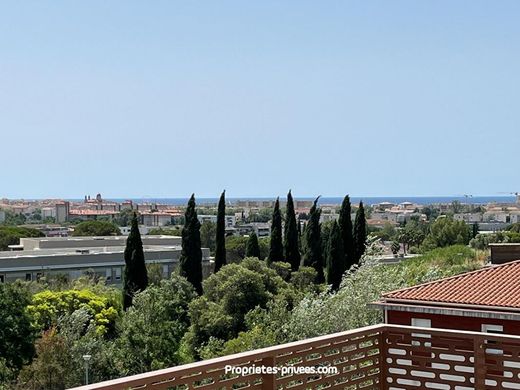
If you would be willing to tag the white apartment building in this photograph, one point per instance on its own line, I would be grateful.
(76, 256)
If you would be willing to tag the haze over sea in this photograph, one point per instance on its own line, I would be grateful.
(422, 200)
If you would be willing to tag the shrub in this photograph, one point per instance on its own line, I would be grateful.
(48, 306)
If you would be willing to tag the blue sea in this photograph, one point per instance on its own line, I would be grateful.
(422, 200)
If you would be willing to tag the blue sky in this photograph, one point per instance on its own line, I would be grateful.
(166, 98)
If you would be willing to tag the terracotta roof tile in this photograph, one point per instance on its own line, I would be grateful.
(490, 286)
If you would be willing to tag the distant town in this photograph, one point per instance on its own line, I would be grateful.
(54, 241)
(96, 286)
(56, 217)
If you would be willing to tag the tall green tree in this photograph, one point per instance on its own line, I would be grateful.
(347, 234)
(16, 332)
(135, 275)
(276, 249)
(151, 331)
(96, 228)
(313, 256)
(336, 265)
(191, 255)
(220, 249)
(474, 230)
(252, 246)
(360, 233)
(290, 237)
(445, 231)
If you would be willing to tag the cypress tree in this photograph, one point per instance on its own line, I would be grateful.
(220, 248)
(313, 256)
(190, 262)
(335, 257)
(474, 230)
(347, 234)
(276, 248)
(252, 247)
(135, 277)
(290, 237)
(360, 232)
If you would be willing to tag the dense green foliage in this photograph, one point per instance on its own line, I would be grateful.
(515, 228)
(445, 231)
(135, 273)
(313, 255)
(481, 241)
(174, 231)
(290, 237)
(276, 245)
(252, 247)
(16, 333)
(96, 228)
(151, 330)
(336, 264)
(248, 303)
(220, 249)
(324, 312)
(51, 367)
(228, 296)
(236, 248)
(191, 256)
(10, 235)
(412, 234)
(346, 229)
(244, 306)
(208, 236)
(47, 307)
(360, 233)
(124, 218)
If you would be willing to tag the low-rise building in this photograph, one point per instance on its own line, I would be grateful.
(328, 217)
(229, 220)
(486, 300)
(468, 217)
(88, 215)
(259, 228)
(156, 218)
(74, 256)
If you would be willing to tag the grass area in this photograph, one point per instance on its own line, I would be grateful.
(441, 263)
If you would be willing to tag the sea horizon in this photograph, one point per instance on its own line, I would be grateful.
(329, 200)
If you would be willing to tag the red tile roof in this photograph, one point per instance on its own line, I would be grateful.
(490, 286)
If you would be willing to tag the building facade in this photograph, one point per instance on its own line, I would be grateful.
(486, 300)
(76, 256)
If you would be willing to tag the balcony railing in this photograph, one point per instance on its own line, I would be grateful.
(387, 357)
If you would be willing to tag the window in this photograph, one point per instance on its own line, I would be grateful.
(2, 278)
(494, 329)
(165, 270)
(118, 273)
(422, 323)
(108, 274)
(28, 277)
(488, 328)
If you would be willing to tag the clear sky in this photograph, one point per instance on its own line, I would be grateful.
(165, 98)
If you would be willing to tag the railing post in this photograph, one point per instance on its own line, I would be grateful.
(269, 380)
(383, 384)
(479, 354)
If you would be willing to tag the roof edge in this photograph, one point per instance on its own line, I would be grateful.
(464, 274)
